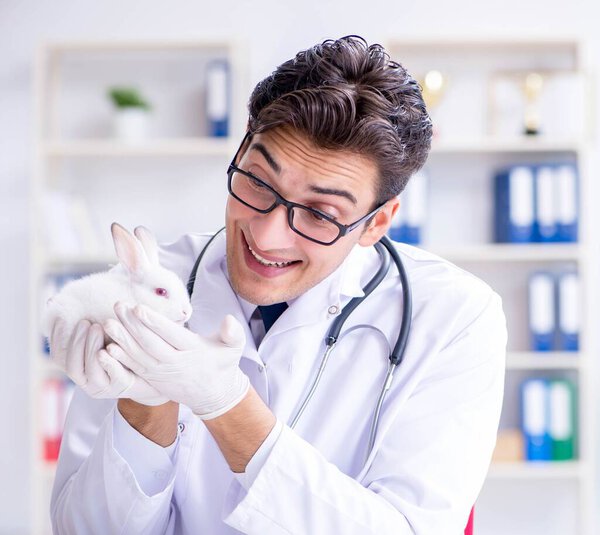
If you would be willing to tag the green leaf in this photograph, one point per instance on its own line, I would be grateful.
(127, 97)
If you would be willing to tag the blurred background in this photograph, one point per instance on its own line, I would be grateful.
(132, 111)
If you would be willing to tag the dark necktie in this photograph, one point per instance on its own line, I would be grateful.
(270, 313)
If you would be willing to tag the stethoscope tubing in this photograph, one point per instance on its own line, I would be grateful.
(335, 329)
(397, 354)
(387, 252)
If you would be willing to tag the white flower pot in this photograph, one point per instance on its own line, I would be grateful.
(131, 124)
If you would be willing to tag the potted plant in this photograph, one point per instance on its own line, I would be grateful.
(131, 114)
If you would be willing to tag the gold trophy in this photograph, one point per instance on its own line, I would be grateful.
(532, 87)
(433, 85)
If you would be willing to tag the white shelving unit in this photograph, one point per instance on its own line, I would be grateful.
(520, 498)
(555, 360)
(131, 183)
(75, 153)
(539, 471)
(160, 147)
(501, 252)
(484, 145)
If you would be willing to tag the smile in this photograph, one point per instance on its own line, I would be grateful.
(265, 262)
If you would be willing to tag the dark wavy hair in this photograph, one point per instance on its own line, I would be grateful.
(346, 95)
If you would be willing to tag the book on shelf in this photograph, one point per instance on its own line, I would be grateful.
(548, 419)
(409, 220)
(218, 89)
(554, 310)
(536, 204)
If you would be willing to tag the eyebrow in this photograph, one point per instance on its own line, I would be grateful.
(330, 191)
(263, 150)
(315, 189)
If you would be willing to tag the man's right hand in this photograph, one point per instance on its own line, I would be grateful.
(79, 360)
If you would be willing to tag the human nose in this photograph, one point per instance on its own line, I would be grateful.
(271, 231)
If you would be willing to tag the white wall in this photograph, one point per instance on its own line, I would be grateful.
(274, 31)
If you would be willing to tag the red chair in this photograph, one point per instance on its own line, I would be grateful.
(469, 528)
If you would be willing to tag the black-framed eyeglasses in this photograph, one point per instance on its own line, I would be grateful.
(308, 222)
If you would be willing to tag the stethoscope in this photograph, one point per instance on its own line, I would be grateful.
(387, 252)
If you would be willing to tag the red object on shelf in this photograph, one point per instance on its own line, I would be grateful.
(469, 528)
(51, 449)
(51, 409)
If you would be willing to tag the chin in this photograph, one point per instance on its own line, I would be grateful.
(252, 293)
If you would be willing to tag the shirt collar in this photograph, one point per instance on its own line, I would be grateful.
(353, 269)
(247, 308)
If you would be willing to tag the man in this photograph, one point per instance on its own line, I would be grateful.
(333, 136)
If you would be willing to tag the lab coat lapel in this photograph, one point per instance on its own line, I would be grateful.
(213, 298)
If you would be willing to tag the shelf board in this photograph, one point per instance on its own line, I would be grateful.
(486, 145)
(100, 262)
(500, 252)
(223, 146)
(484, 41)
(551, 360)
(137, 45)
(155, 147)
(508, 252)
(536, 470)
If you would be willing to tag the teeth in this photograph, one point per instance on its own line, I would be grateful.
(264, 262)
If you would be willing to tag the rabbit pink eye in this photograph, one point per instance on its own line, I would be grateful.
(162, 292)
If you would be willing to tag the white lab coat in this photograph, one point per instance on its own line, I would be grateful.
(436, 433)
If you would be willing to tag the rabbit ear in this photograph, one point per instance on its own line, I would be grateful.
(148, 243)
(129, 250)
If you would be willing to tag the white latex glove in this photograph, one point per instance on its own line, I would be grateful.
(202, 373)
(78, 356)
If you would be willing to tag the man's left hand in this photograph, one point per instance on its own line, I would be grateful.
(202, 373)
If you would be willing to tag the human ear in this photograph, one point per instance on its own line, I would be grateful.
(380, 223)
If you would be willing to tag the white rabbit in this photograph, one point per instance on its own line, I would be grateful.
(138, 278)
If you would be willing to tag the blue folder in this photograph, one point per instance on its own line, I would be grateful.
(535, 420)
(514, 205)
(569, 312)
(542, 311)
(567, 185)
(217, 98)
(410, 218)
(546, 199)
